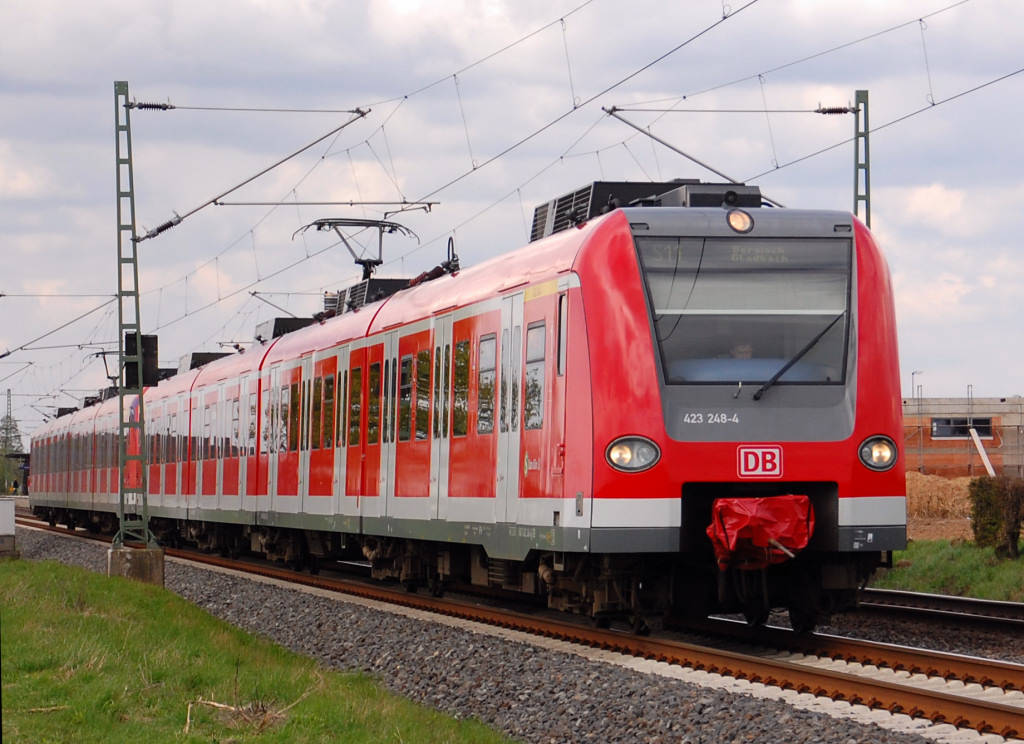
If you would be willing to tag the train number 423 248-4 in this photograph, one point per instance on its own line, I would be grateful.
(711, 417)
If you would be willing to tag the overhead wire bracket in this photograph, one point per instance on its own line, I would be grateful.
(613, 111)
(356, 115)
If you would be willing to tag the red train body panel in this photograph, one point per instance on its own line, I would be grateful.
(558, 420)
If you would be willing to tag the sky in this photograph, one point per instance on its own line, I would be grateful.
(288, 111)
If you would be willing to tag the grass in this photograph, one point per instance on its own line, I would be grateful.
(86, 658)
(960, 569)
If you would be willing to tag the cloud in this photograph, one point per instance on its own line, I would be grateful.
(946, 188)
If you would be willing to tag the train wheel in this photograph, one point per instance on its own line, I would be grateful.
(638, 624)
(802, 619)
(756, 618)
(436, 585)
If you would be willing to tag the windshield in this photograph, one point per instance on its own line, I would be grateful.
(739, 310)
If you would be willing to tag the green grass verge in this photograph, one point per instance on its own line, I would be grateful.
(86, 658)
(960, 569)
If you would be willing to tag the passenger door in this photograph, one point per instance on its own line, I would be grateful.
(440, 434)
(510, 397)
(389, 409)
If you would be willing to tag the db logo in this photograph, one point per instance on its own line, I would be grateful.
(759, 462)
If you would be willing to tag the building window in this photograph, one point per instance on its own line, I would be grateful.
(960, 428)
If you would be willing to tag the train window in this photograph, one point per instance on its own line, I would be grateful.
(405, 400)
(224, 432)
(236, 427)
(373, 405)
(168, 444)
(153, 435)
(293, 418)
(343, 411)
(728, 310)
(447, 387)
(170, 447)
(563, 331)
(386, 395)
(217, 427)
(267, 433)
(304, 413)
(318, 409)
(394, 400)
(328, 433)
(503, 404)
(485, 385)
(422, 394)
(437, 392)
(207, 433)
(517, 350)
(180, 442)
(281, 425)
(251, 428)
(164, 433)
(160, 442)
(460, 397)
(533, 408)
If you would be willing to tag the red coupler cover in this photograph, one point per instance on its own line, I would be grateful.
(755, 532)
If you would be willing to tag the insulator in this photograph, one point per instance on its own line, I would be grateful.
(829, 110)
(162, 228)
(152, 106)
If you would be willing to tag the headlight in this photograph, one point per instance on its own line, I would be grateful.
(740, 221)
(632, 454)
(878, 453)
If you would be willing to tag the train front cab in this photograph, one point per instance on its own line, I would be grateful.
(773, 347)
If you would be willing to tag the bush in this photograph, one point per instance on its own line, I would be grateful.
(997, 509)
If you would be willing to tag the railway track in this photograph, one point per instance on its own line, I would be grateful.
(981, 694)
(1008, 616)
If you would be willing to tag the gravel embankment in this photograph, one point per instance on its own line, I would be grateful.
(534, 694)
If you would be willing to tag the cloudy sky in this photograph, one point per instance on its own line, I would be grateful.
(484, 109)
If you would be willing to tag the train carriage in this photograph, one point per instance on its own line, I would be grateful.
(659, 409)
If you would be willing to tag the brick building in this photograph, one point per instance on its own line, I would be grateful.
(937, 437)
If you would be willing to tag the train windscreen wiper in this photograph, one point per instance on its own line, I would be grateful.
(797, 357)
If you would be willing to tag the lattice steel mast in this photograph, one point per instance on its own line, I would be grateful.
(133, 508)
(862, 158)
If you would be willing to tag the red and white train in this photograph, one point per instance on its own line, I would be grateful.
(686, 405)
